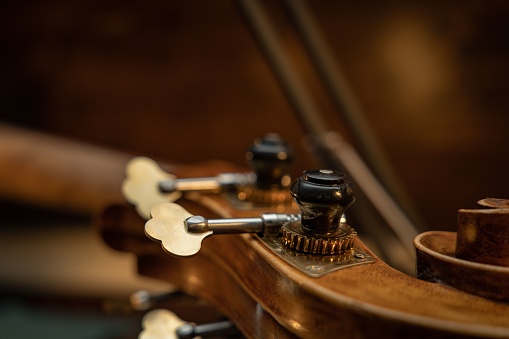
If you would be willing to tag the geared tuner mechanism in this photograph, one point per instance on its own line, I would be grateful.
(323, 197)
(317, 241)
(147, 185)
(270, 158)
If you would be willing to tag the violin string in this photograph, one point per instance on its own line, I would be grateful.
(334, 81)
(393, 240)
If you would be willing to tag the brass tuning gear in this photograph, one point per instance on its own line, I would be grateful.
(323, 196)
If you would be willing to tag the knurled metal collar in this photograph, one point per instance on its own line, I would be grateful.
(294, 239)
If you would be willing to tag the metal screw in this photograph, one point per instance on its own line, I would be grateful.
(359, 255)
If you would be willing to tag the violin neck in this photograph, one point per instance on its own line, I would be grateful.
(57, 172)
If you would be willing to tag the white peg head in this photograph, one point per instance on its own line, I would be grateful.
(160, 324)
(168, 226)
(141, 186)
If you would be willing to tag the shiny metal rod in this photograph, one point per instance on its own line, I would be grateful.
(208, 183)
(218, 329)
(267, 222)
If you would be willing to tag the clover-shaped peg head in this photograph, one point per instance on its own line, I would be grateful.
(160, 324)
(141, 186)
(168, 226)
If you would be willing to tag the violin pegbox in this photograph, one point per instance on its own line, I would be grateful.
(141, 186)
(168, 226)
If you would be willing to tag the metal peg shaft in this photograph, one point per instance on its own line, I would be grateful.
(218, 329)
(267, 222)
(161, 323)
(217, 183)
(181, 233)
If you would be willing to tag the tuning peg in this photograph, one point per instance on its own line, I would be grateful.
(163, 324)
(323, 197)
(181, 233)
(142, 300)
(141, 186)
(160, 324)
(147, 185)
(217, 329)
(269, 158)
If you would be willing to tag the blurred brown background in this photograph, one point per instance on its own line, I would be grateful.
(185, 82)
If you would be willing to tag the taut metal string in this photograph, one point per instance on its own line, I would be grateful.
(375, 212)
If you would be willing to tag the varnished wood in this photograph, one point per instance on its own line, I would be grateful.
(57, 172)
(436, 262)
(358, 302)
(237, 273)
(493, 203)
(483, 236)
(475, 259)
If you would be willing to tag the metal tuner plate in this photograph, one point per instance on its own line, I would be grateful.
(316, 265)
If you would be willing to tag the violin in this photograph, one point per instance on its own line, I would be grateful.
(269, 289)
(264, 294)
(310, 276)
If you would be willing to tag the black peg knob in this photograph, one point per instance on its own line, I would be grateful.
(270, 158)
(323, 196)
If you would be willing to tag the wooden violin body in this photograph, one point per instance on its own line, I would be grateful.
(266, 297)
(262, 294)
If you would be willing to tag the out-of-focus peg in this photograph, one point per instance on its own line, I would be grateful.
(215, 184)
(163, 324)
(142, 300)
(181, 233)
(147, 185)
(270, 158)
(160, 324)
(141, 186)
(221, 328)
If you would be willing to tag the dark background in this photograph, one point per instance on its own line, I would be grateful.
(184, 81)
